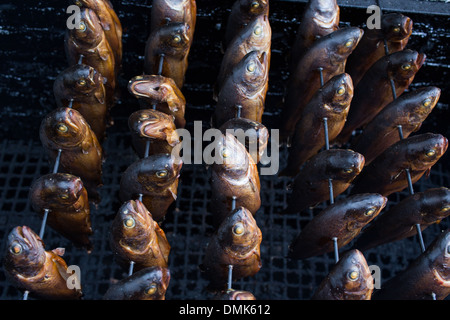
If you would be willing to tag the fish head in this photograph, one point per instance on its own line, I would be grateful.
(258, 32)
(344, 164)
(251, 73)
(439, 256)
(89, 30)
(405, 64)
(425, 150)
(435, 204)
(396, 26)
(254, 7)
(82, 79)
(152, 282)
(234, 158)
(363, 208)
(146, 86)
(159, 170)
(175, 38)
(341, 43)
(133, 221)
(338, 93)
(425, 100)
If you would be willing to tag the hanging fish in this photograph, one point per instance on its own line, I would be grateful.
(136, 237)
(156, 178)
(343, 220)
(31, 268)
(350, 279)
(232, 294)
(330, 53)
(386, 174)
(81, 153)
(399, 222)
(374, 91)
(332, 101)
(161, 93)
(237, 243)
(426, 276)
(147, 284)
(67, 201)
(311, 185)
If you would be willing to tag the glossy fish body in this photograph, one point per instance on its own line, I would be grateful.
(399, 222)
(254, 133)
(311, 185)
(82, 88)
(242, 13)
(246, 86)
(374, 91)
(236, 176)
(408, 111)
(67, 201)
(350, 279)
(257, 36)
(232, 294)
(332, 101)
(173, 42)
(89, 43)
(427, 275)
(81, 155)
(386, 174)
(136, 237)
(153, 125)
(156, 178)
(237, 243)
(147, 284)
(395, 29)
(159, 92)
(329, 53)
(343, 220)
(320, 18)
(29, 267)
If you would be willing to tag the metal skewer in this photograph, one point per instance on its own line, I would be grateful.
(336, 249)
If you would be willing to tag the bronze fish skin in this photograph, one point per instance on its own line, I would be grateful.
(81, 153)
(343, 219)
(136, 237)
(89, 42)
(320, 18)
(256, 135)
(409, 111)
(232, 294)
(67, 201)
(237, 176)
(153, 125)
(311, 185)
(386, 174)
(242, 13)
(256, 36)
(156, 178)
(350, 279)
(173, 42)
(159, 92)
(246, 86)
(110, 23)
(82, 87)
(399, 222)
(332, 101)
(237, 243)
(374, 91)
(395, 29)
(147, 284)
(329, 53)
(427, 274)
(30, 267)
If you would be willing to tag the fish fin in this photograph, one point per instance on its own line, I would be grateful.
(59, 251)
(427, 172)
(100, 95)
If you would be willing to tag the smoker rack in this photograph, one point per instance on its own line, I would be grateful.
(187, 225)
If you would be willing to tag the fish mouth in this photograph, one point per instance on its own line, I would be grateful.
(440, 279)
(28, 239)
(421, 57)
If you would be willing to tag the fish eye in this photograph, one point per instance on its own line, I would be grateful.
(143, 117)
(340, 91)
(176, 38)
(353, 275)
(255, 4)
(78, 3)
(431, 153)
(129, 222)
(82, 26)
(64, 196)
(81, 82)
(62, 127)
(348, 170)
(349, 43)
(370, 211)
(257, 30)
(161, 173)
(447, 251)
(16, 248)
(445, 208)
(225, 153)
(238, 229)
(251, 67)
(426, 102)
(396, 29)
(406, 66)
(151, 289)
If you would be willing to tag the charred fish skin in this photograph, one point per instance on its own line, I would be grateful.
(161, 93)
(311, 185)
(428, 274)
(236, 242)
(147, 284)
(386, 174)
(408, 111)
(246, 86)
(332, 101)
(173, 42)
(67, 201)
(396, 29)
(329, 53)
(350, 279)
(65, 129)
(81, 87)
(30, 267)
(232, 294)
(374, 91)
(399, 222)
(136, 237)
(344, 220)
(156, 178)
